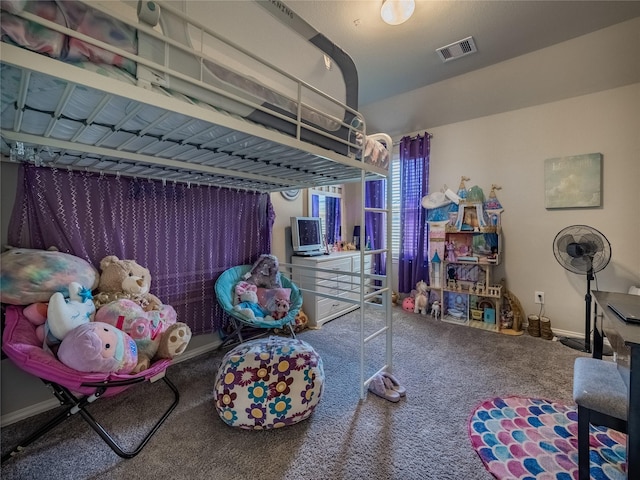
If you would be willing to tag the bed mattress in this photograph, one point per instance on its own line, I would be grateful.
(234, 81)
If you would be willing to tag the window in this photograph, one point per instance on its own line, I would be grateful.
(318, 206)
(322, 212)
(395, 207)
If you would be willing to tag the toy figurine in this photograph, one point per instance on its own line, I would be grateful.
(435, 309)
(451, 251)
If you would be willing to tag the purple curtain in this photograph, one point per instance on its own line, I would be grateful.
(185, 235)
(414, 241)
(374, 233)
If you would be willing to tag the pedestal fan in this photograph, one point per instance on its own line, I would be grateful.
(583, 250)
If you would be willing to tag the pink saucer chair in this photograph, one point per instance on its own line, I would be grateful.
(76, 390)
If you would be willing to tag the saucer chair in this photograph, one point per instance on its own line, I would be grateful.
(224, 288)
(74, 389)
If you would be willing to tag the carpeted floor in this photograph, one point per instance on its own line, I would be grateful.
(521, 438)
(448, 371)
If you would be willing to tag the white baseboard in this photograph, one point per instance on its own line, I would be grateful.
(41, 407)
(27, 412)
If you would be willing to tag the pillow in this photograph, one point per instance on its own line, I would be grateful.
(32, 275)
(267, 297)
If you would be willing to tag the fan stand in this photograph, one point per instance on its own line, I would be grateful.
(585, 345)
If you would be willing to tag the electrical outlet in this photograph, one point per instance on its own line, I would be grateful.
(539, 297)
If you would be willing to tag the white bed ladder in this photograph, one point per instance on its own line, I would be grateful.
(382, 293)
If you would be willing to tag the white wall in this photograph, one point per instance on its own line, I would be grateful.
(285, 209)
(509, 149)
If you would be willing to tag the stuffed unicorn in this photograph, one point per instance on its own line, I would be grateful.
(63, 315)
(56, 319)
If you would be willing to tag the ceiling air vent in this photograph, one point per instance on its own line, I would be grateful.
(457, 49)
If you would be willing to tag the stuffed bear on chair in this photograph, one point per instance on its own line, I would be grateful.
(125, 279)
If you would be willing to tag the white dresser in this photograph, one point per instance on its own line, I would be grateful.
(336, 282)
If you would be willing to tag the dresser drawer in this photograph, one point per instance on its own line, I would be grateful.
(336, 280)
(329, 306)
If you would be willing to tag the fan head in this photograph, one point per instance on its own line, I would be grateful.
(582, 249)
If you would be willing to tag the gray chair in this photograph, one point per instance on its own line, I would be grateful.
(601, 396)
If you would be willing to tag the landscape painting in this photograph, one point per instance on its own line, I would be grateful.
(573, 182)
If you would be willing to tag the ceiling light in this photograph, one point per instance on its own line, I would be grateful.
(395, 12)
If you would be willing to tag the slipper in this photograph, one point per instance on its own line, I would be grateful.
(377, 387)
(395, 384)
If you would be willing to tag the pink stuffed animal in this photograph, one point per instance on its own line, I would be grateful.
(98, 347)
(36, 313)
(146, 328)
(280, 308)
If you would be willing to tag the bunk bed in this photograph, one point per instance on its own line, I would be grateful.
(167, 98)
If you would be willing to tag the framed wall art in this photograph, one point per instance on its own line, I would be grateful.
(573, 182)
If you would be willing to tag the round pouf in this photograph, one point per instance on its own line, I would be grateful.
(268, 383)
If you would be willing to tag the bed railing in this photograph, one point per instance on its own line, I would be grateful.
(357, 125)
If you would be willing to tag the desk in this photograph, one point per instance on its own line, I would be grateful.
(625, 341)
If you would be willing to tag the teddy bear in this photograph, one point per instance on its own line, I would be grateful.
(435, 309)
(153, 332)
(125, 279)
(174, 341)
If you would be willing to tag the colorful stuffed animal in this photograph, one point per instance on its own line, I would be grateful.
(31, 276)
(301, 321)
(125, 279)
(148, 329)
(98, 347)
(249, 306)
(61, 315)
(239, 290)
(280, 308)
(264, 272)
(275, 301)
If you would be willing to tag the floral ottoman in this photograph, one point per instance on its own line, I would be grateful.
(268, 383)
